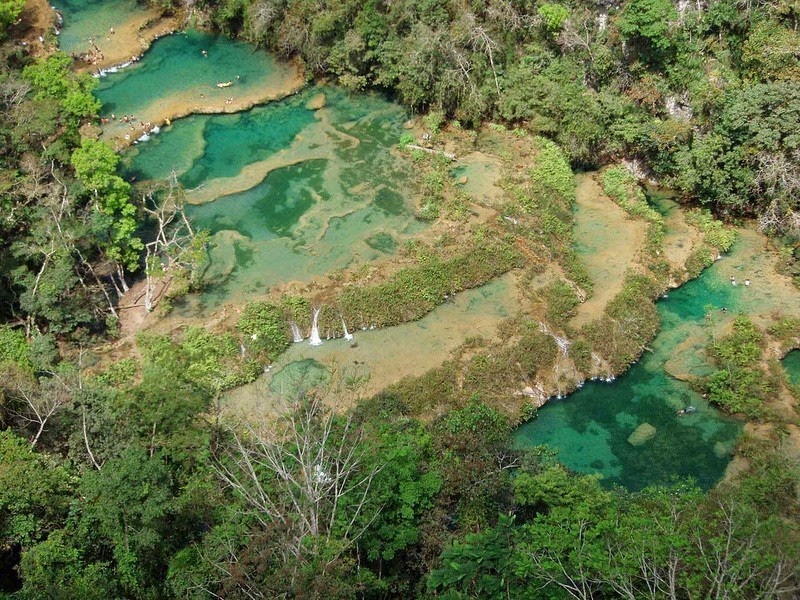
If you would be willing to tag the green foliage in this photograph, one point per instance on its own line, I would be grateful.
(476, 418)
(413, 292)
(622, 187)
(551, 173)
(128, 505)
(478, 566)
(405, 488)
(52, 78)
(630, 322)
(34, 492)
(553, 17)
(717, 235)
(561, 302)
(265, 326)
(95, 165)
(406, 139)
(787, 329)
(9, 11)
(57, 566)
(211, 361)
(14, 347)
(554, 487)
(649, 23)
(741, 385)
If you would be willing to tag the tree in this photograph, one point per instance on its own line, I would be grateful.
(305, 483)
(649, 24)
(95, 165)
(10, 10)
(177, 252)
(33, 403)
(34, 493)
(53, 78)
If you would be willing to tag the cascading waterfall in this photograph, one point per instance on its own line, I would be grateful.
(347, 335)
(562, 343)
(296, 334)
(315, 340)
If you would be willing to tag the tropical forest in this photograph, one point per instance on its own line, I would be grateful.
(398, 299)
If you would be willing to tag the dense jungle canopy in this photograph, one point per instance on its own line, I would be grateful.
(118, 478)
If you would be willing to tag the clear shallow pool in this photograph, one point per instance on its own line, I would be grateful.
(377, 358)
(791, 362)
(84, 19)
(290, 190)
(175, 78)
(591, 427)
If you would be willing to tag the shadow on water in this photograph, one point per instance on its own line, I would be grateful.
(791, 363)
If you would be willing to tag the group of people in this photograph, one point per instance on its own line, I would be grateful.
(733, 281)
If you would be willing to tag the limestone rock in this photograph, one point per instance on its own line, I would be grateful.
(316, 102)
(642, 434)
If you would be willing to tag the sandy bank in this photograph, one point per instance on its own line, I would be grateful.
(130, 39)
(202, 100)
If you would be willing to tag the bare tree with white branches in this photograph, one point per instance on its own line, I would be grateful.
(305, 475)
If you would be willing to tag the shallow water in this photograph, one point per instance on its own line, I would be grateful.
(590, 428)
(791, 363)
(382, 357)
(174, 77)
(84, 19)
(320, 190)
(608, 241)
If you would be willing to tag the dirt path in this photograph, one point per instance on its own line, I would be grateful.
(613, 241)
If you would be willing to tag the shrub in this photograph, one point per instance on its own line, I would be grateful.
(265, 327)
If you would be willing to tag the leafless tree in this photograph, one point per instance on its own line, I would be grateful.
(34, 403)
(733, 559)
(306, 474)
(571, 576)
(176, 248)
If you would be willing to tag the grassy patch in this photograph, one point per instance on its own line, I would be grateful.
(739, 385)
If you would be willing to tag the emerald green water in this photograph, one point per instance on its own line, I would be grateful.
(203, 147)
(590, 428)
(174, 78)
(84, 19)
(791, 363)
(297, 192)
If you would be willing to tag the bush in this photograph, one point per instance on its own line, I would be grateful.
(561, 302)
(740, 385)
(265, 327)
(716, 234)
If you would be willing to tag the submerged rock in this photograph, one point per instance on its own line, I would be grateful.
(316, 102)
(642, 434)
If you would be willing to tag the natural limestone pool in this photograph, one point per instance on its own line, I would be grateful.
(791, 363)
(290, 190)
(593, 428)
(310, 183)
(85, 19)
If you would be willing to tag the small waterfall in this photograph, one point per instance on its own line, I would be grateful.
(315, 340)
(298, 337)
(562, 343)
(347, 335)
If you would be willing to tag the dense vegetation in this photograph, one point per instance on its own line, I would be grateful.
(704, 94)
(121, 479)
